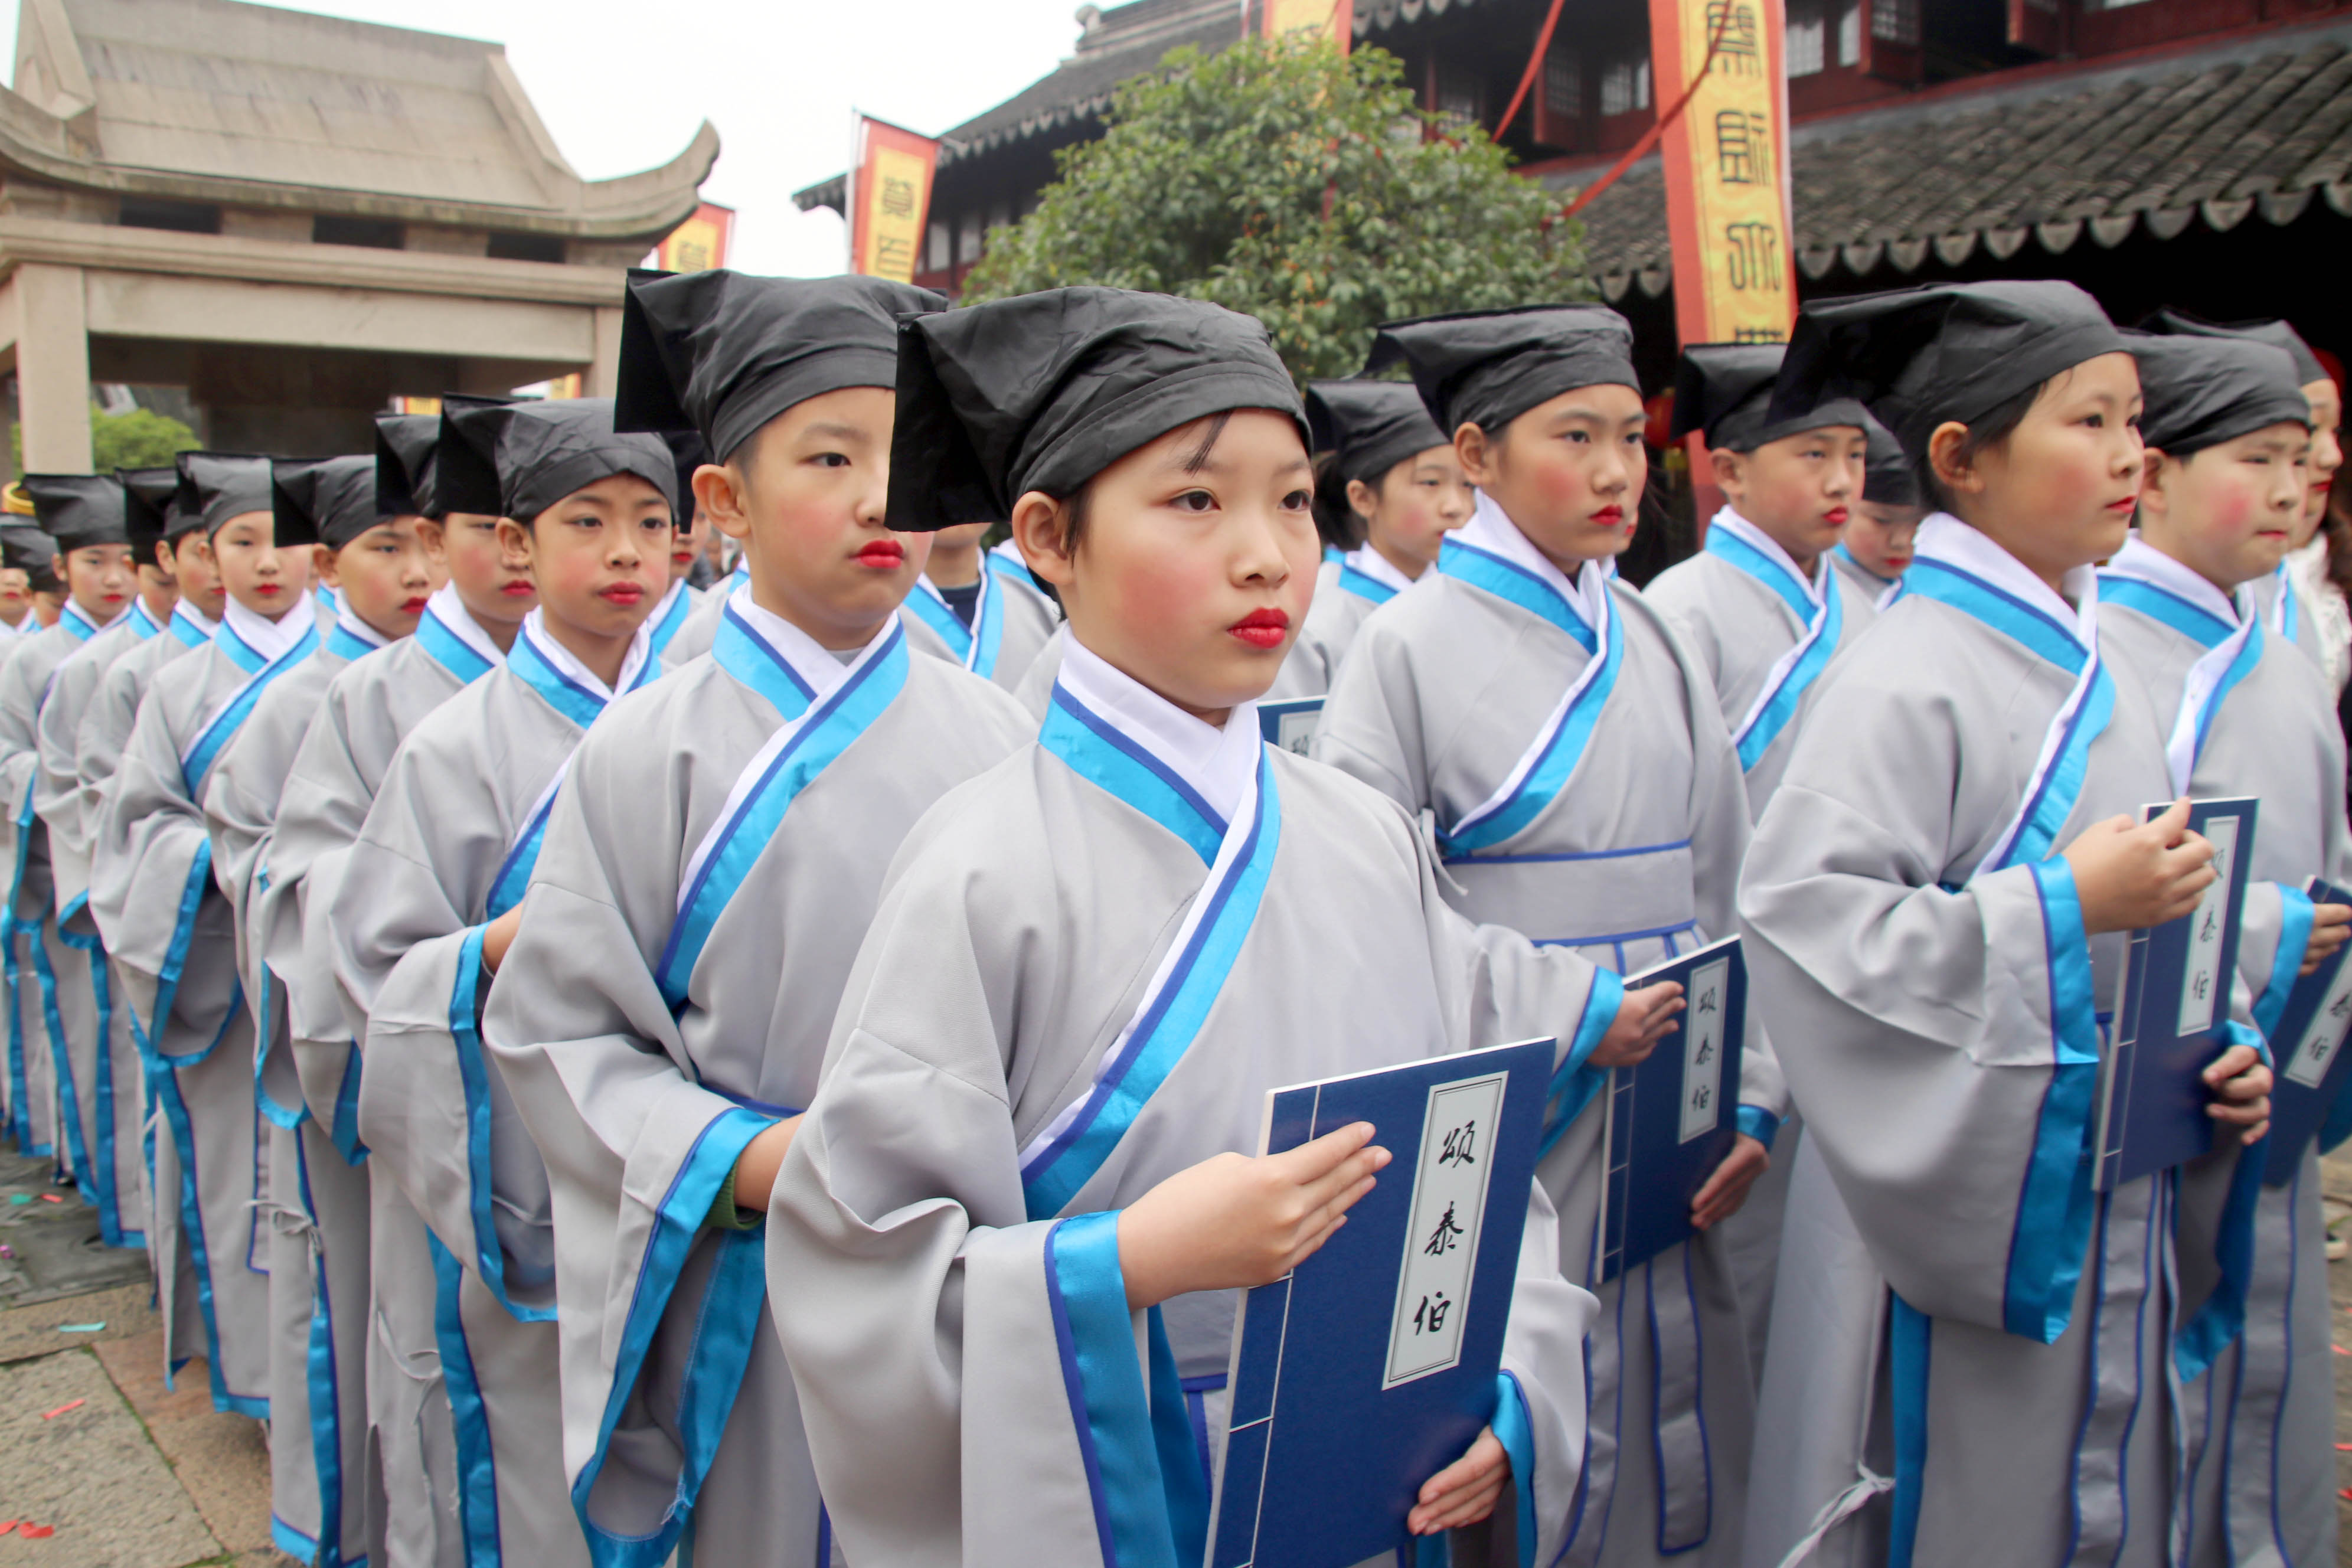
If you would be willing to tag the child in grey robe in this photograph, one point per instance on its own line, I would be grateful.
(1392, 489)
(710, 866)
(174, 935)
(85, 515)
(1879, 536)
(1976, 1357)
(953, 1209)
(2244, 714)
(1567, 752)
(421, 910)
(318, 1295)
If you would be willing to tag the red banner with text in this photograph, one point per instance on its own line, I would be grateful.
(890, 199)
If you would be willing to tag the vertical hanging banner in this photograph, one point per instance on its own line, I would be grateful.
(1727, 168)
(700, 243)
(890, 199)
(1332, 19)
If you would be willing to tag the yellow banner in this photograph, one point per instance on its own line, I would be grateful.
(890, 198)
(1725, 158)
(700, 243)
(1335, 19)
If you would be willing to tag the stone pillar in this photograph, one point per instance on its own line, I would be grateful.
(604, 377)
(53, 368)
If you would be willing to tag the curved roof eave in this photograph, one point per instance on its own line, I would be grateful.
(648, 202)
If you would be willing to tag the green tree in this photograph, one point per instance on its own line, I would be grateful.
(1282, 178)
(142, 439)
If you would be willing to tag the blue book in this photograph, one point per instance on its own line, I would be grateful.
(1372, 1365)
(1671, 1120)
(1290, 723)
(2170, 1012)
(2309, 1050)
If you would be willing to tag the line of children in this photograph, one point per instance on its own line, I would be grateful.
(784, 1112)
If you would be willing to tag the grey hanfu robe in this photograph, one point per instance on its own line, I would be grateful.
(709, 870)
(1568, 754)
(2246, 714)
(1348, 588)
(1010, 623)
(100, 737)
(1874, 592)
(448, 848)
(318, 1319)
(173, 936)
(39, 1079)
(1764, 633)
(365, 1228)
(1976, 1357)
(75, 992)
(1088, 969)
(925, 633)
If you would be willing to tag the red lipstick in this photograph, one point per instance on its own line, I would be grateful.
(1836, 514)
(519, 588)
(628, 595)
(414, 604)
(882, 555)
(2129, 503)
(1261, 628)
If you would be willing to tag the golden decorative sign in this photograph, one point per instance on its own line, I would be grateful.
(890, 199)
(1727, 167)
(700, 243)
(1334, 19)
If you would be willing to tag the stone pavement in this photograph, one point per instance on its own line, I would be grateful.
(130, 1473)
(125, 1472)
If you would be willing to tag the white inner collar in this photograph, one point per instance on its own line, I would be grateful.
(534, 626)
(1767, 546)
(1490, 528)
(1378, 568)
(349, 620)
(1219, 764)
(1945, 538)
(820, 667)
(271, 639)
(2138, 558)
(447, 607)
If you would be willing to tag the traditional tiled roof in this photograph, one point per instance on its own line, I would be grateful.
(215, 101)
(2261, 128)
(1123, 42)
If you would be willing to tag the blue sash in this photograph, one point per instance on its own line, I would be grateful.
(1066, 1153)
(452, 652)
(1364, 585)
(196, 761)
(190, 634)
(2232, 652)
(1544, 770)
(347, 645)
(77, 622)
(811, 737)
(931, 608)
(1848, 557)
(142, 625)
(1785, 687)
(2288, 623)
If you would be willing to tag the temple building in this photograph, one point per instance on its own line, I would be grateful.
(294, 218)
(2196, 153)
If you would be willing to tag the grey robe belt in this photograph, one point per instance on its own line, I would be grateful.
(1582, 899)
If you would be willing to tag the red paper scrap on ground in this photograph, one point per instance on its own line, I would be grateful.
(36, 1531)
(60, 1410)
(51, 1198)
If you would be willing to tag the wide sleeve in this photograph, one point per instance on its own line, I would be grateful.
(20, 691)
(56, 781)
(240, 803)
(1373, 727)
(433, 1115)
(636, 1152)
(1942, 1040)
(101, 734)
(152, 871)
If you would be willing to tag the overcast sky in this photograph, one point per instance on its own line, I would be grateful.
(622, 87)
